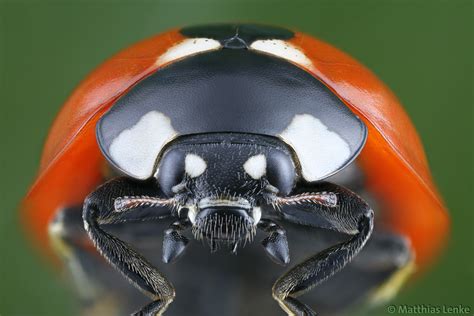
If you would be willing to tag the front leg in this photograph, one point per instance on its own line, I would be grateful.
(329, 206)
(106, 206)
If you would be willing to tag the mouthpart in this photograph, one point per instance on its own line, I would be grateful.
(221, 221)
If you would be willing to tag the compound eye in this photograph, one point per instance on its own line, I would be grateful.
(171, 171)
(281, 172)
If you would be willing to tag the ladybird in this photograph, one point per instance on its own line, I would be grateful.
(213, 136)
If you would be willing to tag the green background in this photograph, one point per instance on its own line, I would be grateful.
(421, 49)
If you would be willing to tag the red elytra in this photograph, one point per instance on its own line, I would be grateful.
(393, 159)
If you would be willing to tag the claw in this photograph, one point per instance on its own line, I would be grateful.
(173, 245)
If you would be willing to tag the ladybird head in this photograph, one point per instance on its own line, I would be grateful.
(222, 179)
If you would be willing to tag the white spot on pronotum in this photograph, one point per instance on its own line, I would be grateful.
(187, 47)
(135, 149)
(283, 50)
(320, 151)
(256, 166)
(194, 165)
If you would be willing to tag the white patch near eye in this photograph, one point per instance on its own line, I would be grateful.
(320, 151)
(135, 149)
(187, 47)
(283, 50)
(256, 166)
(192, 213)
(194, 165)
(256, 214)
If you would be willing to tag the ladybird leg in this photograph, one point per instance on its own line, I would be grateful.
(276, 243)
(70, 242)
(99, 209)
(385, 251)
(392, 256)
(334, 207)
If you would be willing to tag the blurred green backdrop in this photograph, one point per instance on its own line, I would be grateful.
(421, 49)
